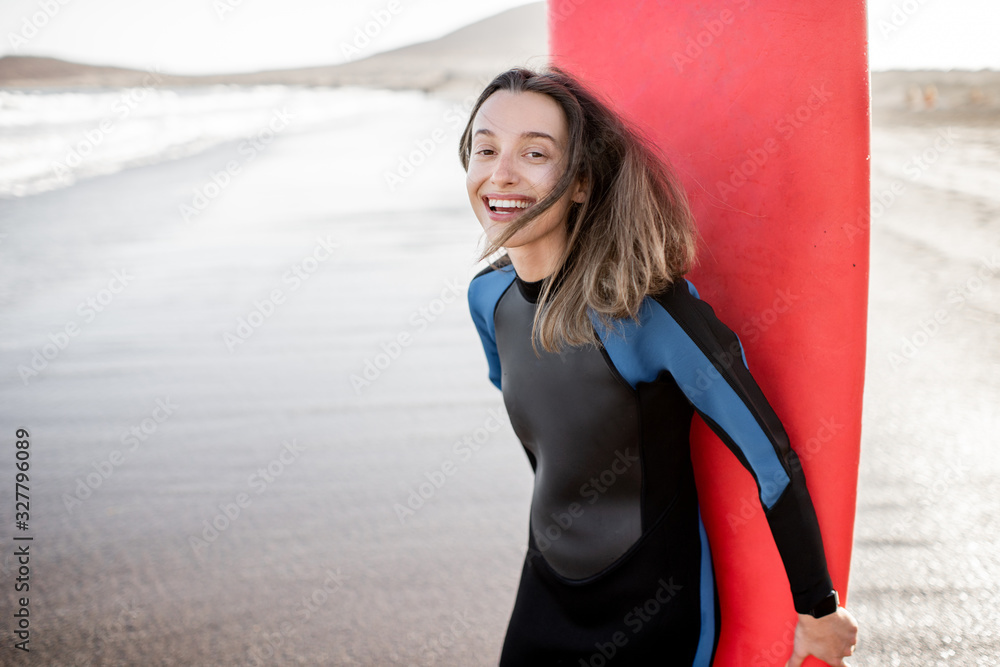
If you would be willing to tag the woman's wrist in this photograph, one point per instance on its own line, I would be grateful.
(826, 606)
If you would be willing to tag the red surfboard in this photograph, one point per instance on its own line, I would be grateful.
(762, 107)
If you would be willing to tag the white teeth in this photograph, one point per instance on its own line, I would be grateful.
(509, 203)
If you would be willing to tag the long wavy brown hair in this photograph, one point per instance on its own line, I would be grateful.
(633, 236)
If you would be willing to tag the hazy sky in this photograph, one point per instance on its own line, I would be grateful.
(209, 36)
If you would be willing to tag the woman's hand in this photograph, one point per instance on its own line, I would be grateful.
(830, 638)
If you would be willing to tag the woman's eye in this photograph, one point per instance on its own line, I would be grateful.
(484, 151)
(536, 154)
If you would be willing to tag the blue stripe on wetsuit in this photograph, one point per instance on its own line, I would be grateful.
(706, 641)
(485, 291)
(640, 351)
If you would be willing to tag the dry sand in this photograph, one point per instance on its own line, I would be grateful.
(318, 567)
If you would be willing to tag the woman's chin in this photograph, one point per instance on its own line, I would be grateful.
(494, 230)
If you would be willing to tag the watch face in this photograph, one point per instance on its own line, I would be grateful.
(826, 606)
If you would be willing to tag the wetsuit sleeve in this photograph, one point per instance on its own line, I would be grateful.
(680, 333)
(484, 292)
(713, 374)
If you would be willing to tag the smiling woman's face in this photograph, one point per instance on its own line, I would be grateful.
(519, 143)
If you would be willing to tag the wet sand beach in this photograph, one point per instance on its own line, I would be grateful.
(206, 534)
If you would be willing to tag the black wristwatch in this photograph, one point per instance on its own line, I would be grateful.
(826, 606)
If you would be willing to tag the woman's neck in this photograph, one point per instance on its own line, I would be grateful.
(539, 259)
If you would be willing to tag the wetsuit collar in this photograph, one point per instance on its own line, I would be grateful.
(530, 291)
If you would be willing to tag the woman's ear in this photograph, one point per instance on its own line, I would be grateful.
(580, 191)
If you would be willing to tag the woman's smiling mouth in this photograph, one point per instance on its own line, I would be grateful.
(502, 207)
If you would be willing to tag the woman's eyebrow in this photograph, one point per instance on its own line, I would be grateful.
(524, 135)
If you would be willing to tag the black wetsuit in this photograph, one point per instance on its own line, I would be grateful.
(618, 569)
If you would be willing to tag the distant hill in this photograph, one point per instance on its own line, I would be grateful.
(466, 57)
(31, 71)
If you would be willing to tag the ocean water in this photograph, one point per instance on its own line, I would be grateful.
(53, 139)
(238, 162)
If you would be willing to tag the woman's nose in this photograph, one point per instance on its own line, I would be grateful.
(504, 171)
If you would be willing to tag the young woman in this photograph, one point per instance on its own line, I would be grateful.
(602, 349)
